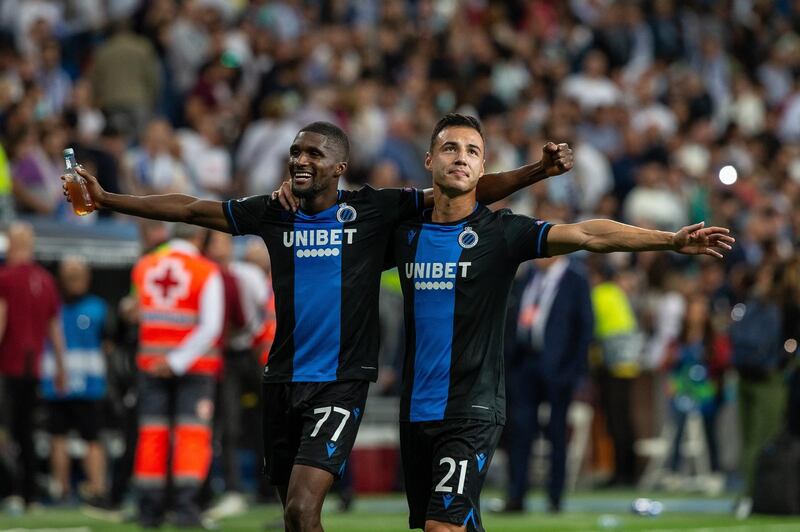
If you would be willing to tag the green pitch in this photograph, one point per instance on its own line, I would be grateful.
(597, 511)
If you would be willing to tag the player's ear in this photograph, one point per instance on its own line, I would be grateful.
(341, 168)
(428, 161)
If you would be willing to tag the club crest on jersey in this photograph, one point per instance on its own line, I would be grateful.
(346, 213)
(468, 238)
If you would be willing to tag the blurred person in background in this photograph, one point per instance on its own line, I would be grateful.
(7, 213)
(241, 373)
(207, 160)
(38, 161)
(261, 154)
(592, 88)
(156, 164)
(180, 298)
(620, 345)
(29, 317)
(125, 79)
(790, 291)
(660, 306)
(257, 255)
(756, 336)
(86, 325)
(123, 374)
(696, 369)
(546, 358)
(652, 203)
(54, 80)
(89, 120)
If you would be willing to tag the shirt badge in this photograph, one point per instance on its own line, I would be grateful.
(468, 238)
(346, 213)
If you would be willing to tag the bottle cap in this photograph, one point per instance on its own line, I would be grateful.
(69, 152)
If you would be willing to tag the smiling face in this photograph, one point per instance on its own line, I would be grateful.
(456, 159)
(315, 164)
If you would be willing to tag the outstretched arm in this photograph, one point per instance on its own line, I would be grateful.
(556, 159)
(607, 236)
(166, 207)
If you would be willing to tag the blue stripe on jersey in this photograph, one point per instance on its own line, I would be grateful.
(434, 310)
(317, 295)
(231, 218)
(539, 240)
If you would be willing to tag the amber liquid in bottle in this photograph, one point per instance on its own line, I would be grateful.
(82, 203)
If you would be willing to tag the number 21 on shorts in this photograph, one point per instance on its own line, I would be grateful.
(462, 476)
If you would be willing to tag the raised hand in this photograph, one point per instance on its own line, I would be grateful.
(285, 196)
(557, 158)
(700, 240)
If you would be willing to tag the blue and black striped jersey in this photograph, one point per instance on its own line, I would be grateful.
(456, 278)
(326, 270)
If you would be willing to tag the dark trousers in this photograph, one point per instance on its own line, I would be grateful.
(761, 416)
(128, 423)
(527, 390)
(242, 374)
(20, 400)
(709, 425)
(175, 416)
(615, 395)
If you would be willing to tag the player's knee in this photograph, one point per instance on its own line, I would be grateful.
(301, 514)
(438, 526)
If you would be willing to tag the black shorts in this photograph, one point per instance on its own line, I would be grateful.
(310, 423)
(83, 415)
(445, 465)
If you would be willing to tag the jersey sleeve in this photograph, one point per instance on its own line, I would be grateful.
(247, 215)
(397, 204)
(526, 237)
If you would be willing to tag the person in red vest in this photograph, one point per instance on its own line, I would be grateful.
(180, 297)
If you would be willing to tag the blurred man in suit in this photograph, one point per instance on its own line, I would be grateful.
(550, 328)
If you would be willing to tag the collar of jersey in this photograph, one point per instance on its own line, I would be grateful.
(427, 213)
(328, 214)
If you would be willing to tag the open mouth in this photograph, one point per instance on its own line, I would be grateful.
(301, 178)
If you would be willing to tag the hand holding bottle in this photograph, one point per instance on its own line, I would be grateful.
(76, 185)
(81, 188)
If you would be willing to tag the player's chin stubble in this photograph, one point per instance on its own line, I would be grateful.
(307, 193)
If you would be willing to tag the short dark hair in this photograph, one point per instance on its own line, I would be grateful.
(334, 133)
(456, 120)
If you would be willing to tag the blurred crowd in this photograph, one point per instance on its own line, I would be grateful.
(678, 112)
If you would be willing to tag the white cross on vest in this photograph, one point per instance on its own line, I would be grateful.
(167, 282)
